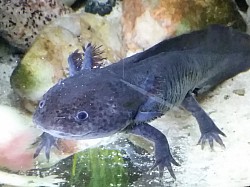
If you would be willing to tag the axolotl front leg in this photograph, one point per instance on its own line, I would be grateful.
(46, 141)
(147, 112)
(76, 63)
(163, 156)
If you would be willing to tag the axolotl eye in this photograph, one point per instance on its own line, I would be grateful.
(81, 116)
(41, 104)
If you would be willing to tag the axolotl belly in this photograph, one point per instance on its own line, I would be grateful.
(125, 96)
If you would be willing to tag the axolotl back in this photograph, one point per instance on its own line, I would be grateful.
(126, 95)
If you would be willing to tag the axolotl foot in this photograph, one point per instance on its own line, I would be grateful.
(163, 156)
(210, 136)
(209, 131)
(46, 141)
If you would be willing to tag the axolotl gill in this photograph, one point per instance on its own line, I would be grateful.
(125, 96)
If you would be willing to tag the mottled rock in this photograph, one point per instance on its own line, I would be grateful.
(148, 22)
(21, 21)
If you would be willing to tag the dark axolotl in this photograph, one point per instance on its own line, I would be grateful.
(125, 96)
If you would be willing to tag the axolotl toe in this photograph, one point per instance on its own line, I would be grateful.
(125, 96)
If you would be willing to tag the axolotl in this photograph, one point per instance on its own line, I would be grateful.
(125, 96)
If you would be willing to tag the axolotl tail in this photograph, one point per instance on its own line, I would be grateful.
(224, 68)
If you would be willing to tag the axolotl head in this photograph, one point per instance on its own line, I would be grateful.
(87, 105)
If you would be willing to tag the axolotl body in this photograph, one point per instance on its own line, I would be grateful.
(125, 96)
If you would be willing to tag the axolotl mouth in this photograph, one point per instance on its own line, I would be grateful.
(65, 135)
